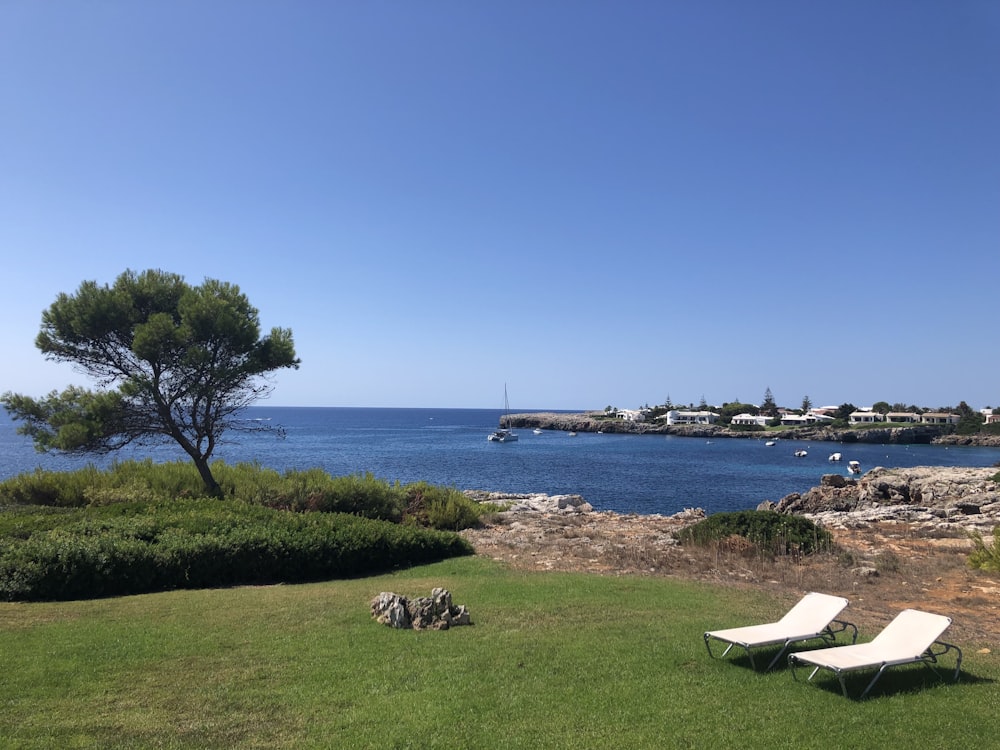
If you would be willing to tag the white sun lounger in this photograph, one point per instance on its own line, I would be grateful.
(813, 617)
(910, 638)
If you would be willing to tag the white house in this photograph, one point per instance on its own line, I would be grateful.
(691, 417)
(631, 415)
(810, 417)
(750, 420)
(902, 417)
(865, 417)
(939, 417)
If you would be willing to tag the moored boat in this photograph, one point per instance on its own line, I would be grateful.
(503, 433)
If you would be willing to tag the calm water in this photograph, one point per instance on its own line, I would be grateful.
(624, 473)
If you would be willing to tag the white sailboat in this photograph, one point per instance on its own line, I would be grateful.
(503, 434)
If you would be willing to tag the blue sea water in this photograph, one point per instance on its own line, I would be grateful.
(625, 473)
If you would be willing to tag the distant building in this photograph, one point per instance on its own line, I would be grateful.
(810, 417)
(631, 415)
(902, 417)
(691, 417)
(865, 417)
(750, 420)
(939, 417)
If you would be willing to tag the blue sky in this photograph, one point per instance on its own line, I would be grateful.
(595, 203)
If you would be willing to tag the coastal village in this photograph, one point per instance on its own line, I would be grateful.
(825, 415)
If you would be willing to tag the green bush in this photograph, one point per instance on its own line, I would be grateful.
(767, 530)
(985, 556)
(308, 490)
(360, 494)
(131, 548)
(442, 507)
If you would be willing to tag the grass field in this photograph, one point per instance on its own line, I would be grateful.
(552, 661)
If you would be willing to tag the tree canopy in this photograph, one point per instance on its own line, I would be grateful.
(769, 407)
(171, 361)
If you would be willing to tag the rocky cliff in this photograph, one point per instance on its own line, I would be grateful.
(958, 498)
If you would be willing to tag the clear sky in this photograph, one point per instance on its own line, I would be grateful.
(596, 203)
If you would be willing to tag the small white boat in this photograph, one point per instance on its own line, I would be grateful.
(572, 434)
(769, 443)
(801, 453)
(537, 430)
(854, 467)
(835, 456)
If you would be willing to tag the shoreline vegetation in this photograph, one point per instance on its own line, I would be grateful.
(599, 421)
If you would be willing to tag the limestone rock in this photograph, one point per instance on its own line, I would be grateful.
(533, 502)
(933, 496)
(390, 609)
(434, 612)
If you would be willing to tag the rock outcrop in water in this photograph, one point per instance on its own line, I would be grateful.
(929, 496)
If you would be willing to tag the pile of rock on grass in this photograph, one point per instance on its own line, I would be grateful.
(435, 612)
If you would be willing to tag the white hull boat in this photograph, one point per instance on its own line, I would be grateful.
(503, 434)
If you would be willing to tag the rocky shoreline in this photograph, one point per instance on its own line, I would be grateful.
(599, 422)
(931, 498)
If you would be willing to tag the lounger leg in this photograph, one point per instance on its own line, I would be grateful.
(707, 638)
(872, 683)
(843, 686)
(778, 656)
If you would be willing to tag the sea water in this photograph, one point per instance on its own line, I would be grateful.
(625, 473)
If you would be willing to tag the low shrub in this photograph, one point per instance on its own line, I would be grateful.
(985, 556)
(299, 490)
(132, 548)
(769, 531)
(442, 507)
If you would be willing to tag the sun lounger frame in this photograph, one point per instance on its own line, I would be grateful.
(929, 657)
(737, 636)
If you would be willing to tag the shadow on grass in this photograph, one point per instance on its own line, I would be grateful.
(903, 680)
(764, 655)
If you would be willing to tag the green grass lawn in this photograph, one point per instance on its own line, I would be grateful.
(552, 661)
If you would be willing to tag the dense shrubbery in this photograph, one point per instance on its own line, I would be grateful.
(141, 527)
(136, 547)
(309, 490)
(769, 532)
(985, 556)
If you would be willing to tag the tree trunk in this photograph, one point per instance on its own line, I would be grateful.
(213, 488)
